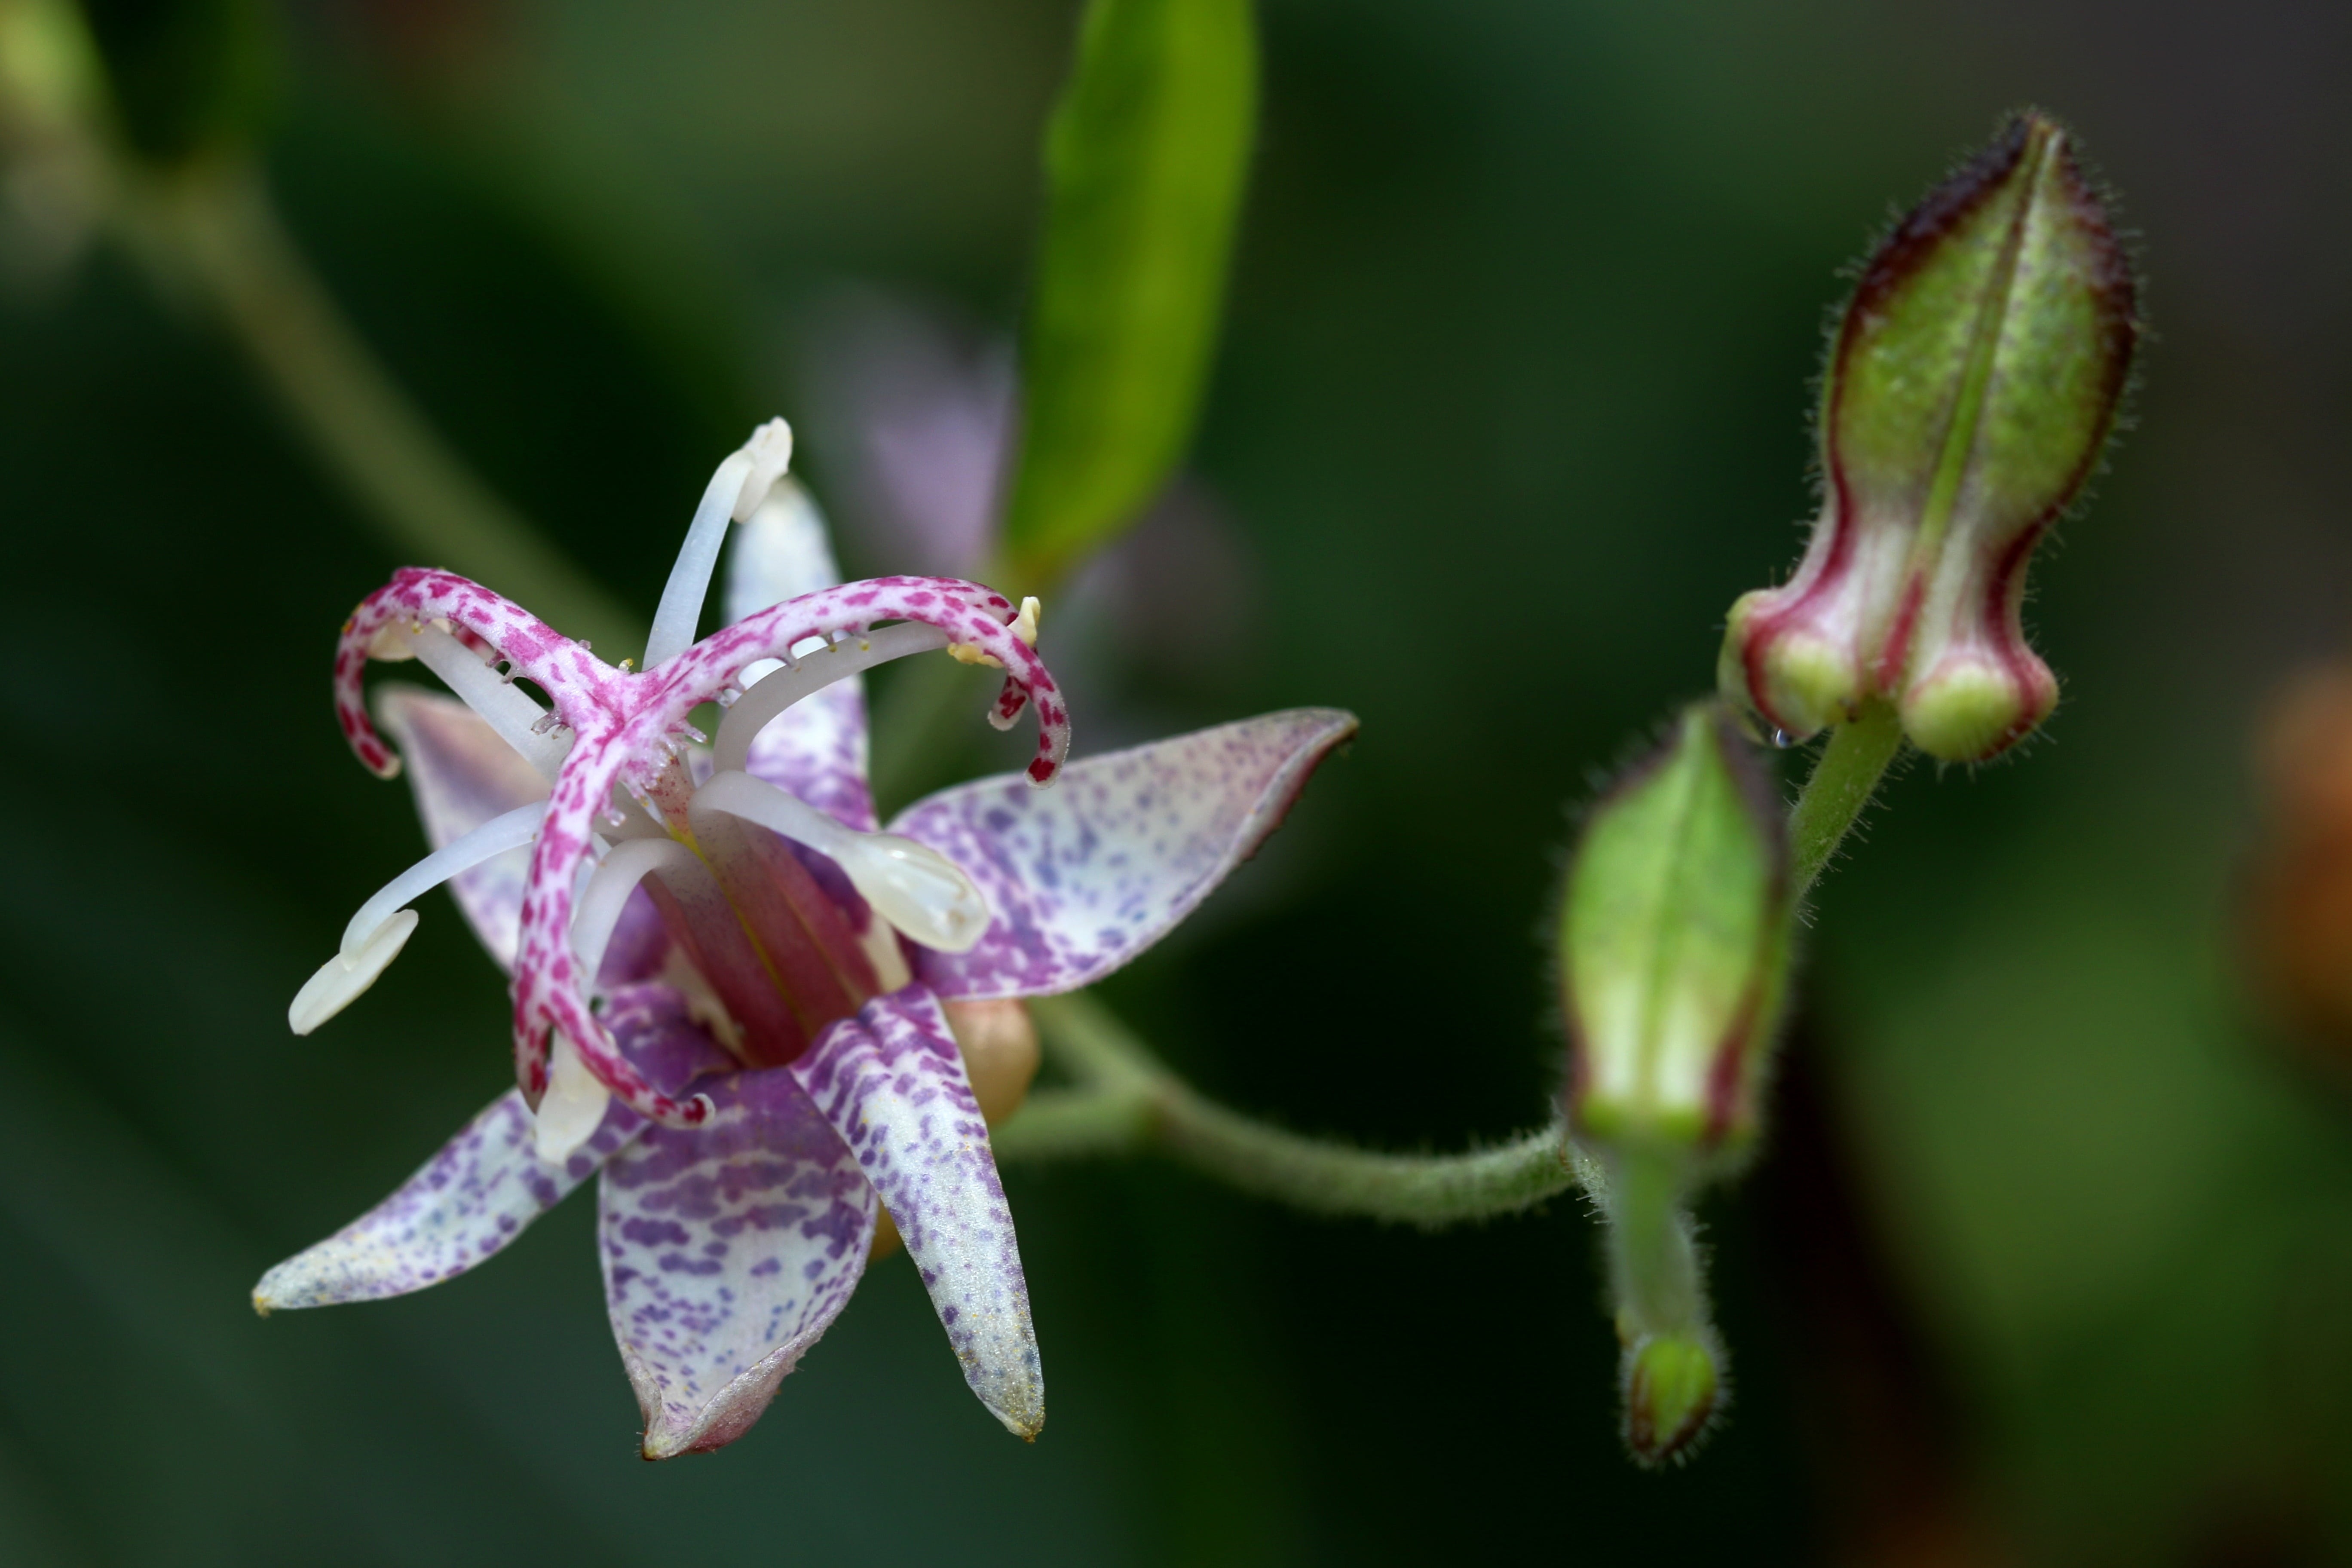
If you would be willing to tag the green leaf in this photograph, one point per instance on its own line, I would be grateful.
(1146, 161)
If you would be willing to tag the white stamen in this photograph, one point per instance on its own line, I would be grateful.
(495, 836)
(1025, 625)
(780, 688)
(600, 905)
(911, 884)
(879, 941)
(574, 1106)
(520, 721)
(342, 978)
(689, 576)
(736, 490)
(771, 451)
(375, 936)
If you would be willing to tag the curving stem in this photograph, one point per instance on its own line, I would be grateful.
(1127, 1103)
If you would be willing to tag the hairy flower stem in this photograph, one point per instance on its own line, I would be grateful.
(1653, 1262)
(1840, 789)
(213, 227)
(1126, 1102)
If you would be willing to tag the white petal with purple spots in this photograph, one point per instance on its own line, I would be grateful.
(488, 1183)
(728, 1249)
(1085, 877)
(464, 775)
(816, 748)
(468, 1202)
(892, 1083)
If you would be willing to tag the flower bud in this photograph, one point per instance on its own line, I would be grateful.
(1670, 1388)
(1674, 942)
(1970, 386)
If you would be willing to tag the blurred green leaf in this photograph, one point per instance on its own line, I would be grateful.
(187, 75)
(1145, 163)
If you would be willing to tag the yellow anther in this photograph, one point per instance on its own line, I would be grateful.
(1023, 626)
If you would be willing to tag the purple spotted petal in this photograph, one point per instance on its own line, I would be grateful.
(892, 1083)
(816, 748)
(1085, 877)
(463, 774)
(728, 1249)
(466, 1202)
(486, 1183)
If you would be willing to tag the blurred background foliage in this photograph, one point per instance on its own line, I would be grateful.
(2049, 1257)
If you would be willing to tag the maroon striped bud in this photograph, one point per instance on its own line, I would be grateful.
(1971, 386)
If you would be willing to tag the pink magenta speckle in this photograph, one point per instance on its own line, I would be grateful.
(623, 725)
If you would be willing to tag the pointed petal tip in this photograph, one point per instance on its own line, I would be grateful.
(1331, 726)
(730, 1413)
(1022, 1415)
(283, 1289)
(1083, 879)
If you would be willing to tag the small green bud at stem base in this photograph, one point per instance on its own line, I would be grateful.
(1671, 1387)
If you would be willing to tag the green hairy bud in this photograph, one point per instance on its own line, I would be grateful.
(1674, 954)
(1972, 383)
(1673, 944)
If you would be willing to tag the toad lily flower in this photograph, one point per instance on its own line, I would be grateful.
(732, 988)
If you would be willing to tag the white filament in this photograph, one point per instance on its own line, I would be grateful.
(607, 892)
(520, 722)
(517, 720)
(736, 490)
(342, 978)
(771, 451)
(495, 836)
(782, 687)
(572, 1106)
(911, 884)
(689, 576)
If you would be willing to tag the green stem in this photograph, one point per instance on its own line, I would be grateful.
(215, 228)
(1842, 782)
(1654, 1261)
(1128, 1102)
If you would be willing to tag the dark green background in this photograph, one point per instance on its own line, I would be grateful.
(2051, 1260)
